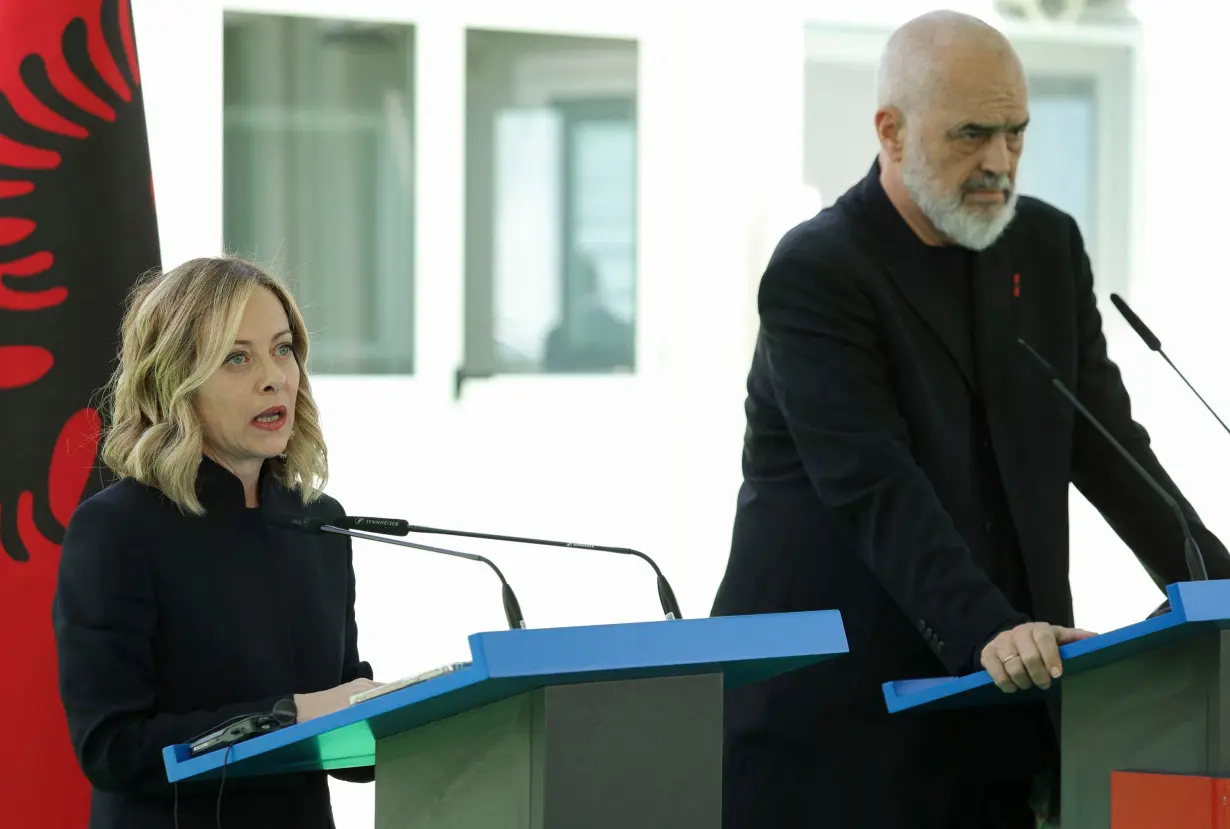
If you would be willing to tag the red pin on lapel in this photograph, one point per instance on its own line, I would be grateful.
(1016, 285)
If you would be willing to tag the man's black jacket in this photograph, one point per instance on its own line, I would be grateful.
(860, 493)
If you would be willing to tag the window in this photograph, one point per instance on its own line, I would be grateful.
(318, 167)
(551, 243)
(1059, 162)
(839, 131)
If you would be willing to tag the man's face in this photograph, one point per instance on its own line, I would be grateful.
(961, 153)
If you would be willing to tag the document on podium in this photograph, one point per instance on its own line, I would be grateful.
(407, 681)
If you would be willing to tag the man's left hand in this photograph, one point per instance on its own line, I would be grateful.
(1028, 655)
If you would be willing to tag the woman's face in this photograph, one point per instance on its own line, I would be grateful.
(247, 408)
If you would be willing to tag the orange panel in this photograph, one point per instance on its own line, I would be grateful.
(1168, 801)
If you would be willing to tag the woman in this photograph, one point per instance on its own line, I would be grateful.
(177, 606)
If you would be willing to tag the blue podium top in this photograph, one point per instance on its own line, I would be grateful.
(1195, 607)
(743, 649)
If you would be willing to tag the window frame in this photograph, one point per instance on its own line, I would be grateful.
(379, 318)
(555, 80)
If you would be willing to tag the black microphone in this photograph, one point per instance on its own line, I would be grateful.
(1195, 559)
(311, 524)
(393, 526)
(384, 526)
(1155, 344)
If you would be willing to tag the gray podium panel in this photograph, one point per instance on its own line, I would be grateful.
(636, 753)
(1164, 711)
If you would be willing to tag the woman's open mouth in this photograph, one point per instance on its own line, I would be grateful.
(271, 420)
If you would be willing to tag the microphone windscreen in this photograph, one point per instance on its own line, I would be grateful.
(1138, 325)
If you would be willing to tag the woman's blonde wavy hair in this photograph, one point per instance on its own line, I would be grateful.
(177, 331)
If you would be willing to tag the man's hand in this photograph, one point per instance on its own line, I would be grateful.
(1028, 655)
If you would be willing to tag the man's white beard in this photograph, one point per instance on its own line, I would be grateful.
(970, 227)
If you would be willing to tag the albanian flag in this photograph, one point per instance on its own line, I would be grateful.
(77, 228)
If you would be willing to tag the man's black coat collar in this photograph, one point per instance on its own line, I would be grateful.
(900, 252)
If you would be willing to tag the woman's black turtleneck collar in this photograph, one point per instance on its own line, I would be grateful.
(219, 487)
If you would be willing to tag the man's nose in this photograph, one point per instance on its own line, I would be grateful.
(998, 158)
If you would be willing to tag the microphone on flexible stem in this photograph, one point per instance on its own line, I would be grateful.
(310, 524)
(395, 526)
(1195, 559)
(1155, 344)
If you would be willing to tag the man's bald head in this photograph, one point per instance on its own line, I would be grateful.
(951, 118)
(926, 54)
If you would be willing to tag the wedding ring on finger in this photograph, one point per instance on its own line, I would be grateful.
(1010, 658)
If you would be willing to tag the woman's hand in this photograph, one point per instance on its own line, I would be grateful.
(321, 703)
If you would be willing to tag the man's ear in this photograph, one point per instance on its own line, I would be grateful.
(890, 129)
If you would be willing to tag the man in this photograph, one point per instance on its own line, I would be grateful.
(907, 463)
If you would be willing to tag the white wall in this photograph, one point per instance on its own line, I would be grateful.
(1182, 289)
(652, 460)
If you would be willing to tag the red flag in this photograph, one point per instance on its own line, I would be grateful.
(77, 227)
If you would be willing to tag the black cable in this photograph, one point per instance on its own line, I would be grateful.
(218, 811)
(225, 760)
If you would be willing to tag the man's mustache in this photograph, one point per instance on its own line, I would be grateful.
(987, 182)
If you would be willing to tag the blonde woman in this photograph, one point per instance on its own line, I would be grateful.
(177, 606)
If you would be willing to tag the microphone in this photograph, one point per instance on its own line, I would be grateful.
(314, 525)
(1195, 559)
(393, 526)
(384, 526)
(1155, 344)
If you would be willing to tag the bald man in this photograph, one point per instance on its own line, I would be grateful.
(907, 464)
